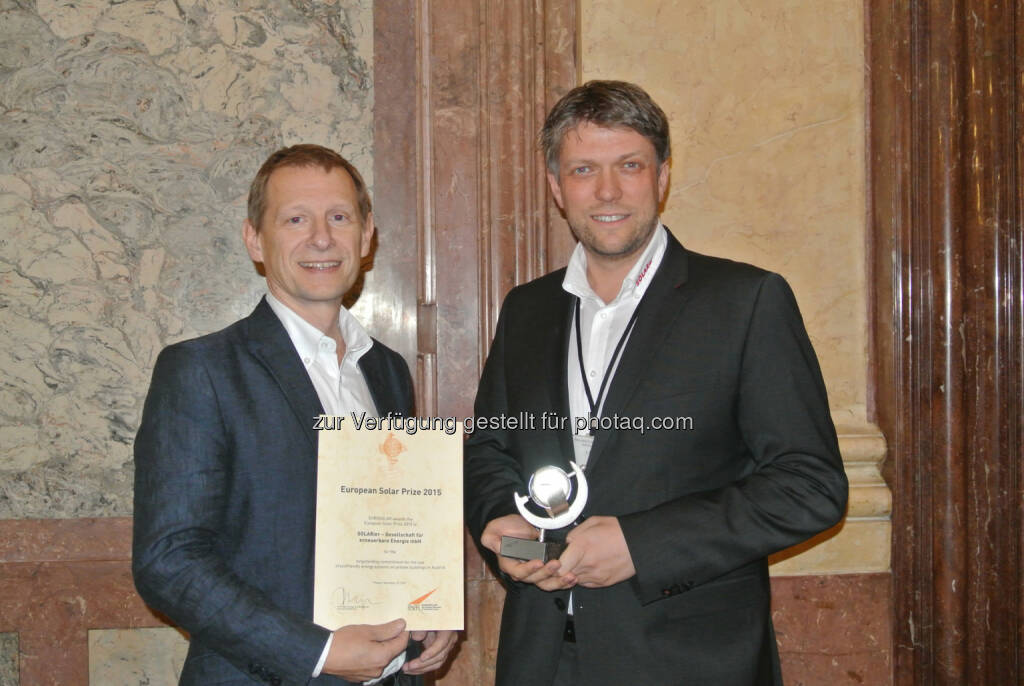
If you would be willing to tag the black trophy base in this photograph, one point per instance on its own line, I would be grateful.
(530, 549)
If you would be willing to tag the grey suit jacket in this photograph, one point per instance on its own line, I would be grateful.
(225, 498)
(756, 470)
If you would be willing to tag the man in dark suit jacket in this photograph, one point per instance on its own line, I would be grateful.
(713, 444)
(226, 454)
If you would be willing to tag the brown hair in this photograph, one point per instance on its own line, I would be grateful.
(302, 155)
(612, 104)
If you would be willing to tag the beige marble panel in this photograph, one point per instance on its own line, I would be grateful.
(130, 132)
(855, 547)
(766, 103)
(136, 657)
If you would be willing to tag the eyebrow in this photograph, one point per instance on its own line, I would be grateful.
(303, 207)
(586, 160)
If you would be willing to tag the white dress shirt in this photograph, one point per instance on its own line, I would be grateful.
(601, 327)
(341, 388)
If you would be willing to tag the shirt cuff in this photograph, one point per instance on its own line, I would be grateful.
(393, 666)
(323, 656)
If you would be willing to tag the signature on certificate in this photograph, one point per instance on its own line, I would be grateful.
(343, 599)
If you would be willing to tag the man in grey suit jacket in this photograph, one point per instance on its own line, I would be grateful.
(712, 444)
(225, 457)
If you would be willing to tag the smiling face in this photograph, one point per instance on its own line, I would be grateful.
(311, 240)
(609, 184)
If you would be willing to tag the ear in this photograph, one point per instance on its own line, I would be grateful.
(252, 241)
(662, 181)
(556, 190)
(367, 236)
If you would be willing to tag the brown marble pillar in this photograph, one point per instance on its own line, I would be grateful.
(461, 91)
(945, 121)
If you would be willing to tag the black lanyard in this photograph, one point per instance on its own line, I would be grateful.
(595, 404)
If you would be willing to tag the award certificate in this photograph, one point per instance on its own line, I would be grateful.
(389, 536)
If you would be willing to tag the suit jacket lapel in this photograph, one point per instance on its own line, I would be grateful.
(270, 344)
(540, 341)
(556, 367)
(386, 396)
(659, 307)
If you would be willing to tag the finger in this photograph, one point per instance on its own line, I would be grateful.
(558, 582)
(386, 632)
(417, 667)
(393, 646)
(438, 647)
(519, 570)
(431, 660)
(547, 571)
(571, 558)
(585, 525)
(422, 664)
(491, 540)
(431, 651)
(429, 639)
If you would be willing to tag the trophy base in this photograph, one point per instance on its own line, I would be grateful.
(530, 549)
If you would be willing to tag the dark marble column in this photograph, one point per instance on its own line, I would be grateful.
(945, 122)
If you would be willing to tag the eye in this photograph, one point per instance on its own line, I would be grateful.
(294, 220)
(632, 164)
(580, 170)
(338, 217)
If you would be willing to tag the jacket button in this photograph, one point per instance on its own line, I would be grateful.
(559, 603)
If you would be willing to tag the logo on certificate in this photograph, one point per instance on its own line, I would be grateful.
(392, 448)
(420, 604)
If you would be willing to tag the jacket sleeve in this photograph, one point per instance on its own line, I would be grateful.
(492, 474)
(183, 460)
(796, 487)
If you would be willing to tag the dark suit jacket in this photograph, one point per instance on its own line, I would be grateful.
(759, 470)
(225, 498)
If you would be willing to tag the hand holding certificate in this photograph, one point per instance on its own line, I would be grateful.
(388, 525)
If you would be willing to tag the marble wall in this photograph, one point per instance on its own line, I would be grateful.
(153, 657)
(129, 133)
(766, 104)
(8, 659)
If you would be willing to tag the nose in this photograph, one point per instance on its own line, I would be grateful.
(320, 236)
(608, 188)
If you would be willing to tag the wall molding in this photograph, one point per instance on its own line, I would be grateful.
(861, 543)
(59, 578)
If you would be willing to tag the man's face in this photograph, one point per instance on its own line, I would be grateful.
(609, 184)
(312, 238)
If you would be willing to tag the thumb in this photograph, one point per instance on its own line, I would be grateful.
(387, 632)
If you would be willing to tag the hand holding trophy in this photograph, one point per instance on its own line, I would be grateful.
(551, 490)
